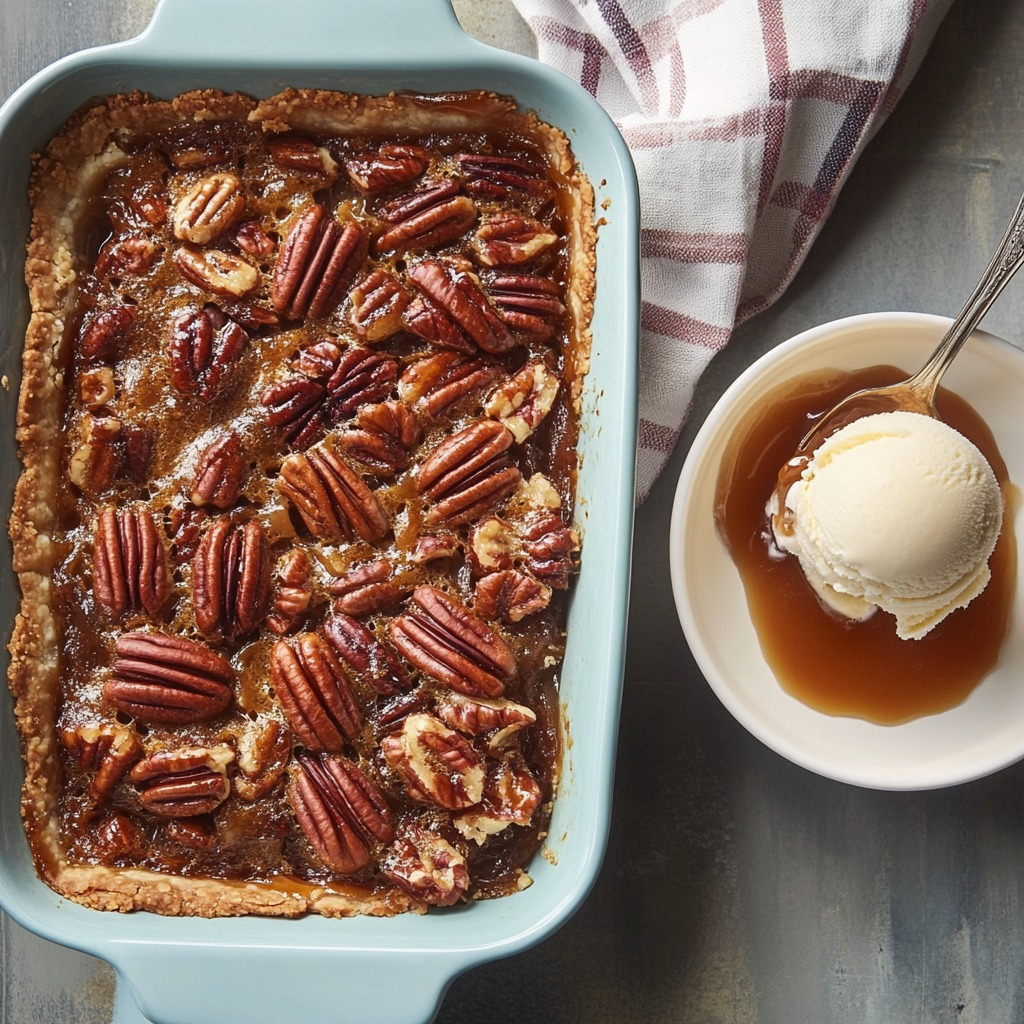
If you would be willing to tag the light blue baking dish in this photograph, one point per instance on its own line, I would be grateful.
(190, 971)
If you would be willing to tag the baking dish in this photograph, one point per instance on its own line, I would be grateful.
(360, 969)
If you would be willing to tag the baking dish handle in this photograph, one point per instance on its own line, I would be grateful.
(208, 984)
(310, 32)
(126, 1010)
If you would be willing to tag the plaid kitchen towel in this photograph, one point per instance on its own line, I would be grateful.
(744, 118)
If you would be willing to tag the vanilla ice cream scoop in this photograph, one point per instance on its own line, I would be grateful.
(896, 511)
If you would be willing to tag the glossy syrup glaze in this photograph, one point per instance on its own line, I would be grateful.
(131, 262)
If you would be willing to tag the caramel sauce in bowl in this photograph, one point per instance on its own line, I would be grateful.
(849, 700)
(832, 663)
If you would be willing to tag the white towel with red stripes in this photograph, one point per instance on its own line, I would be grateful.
(744, 118)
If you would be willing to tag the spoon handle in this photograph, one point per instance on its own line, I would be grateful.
(1004, 264)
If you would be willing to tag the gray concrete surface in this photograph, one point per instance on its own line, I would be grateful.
(738, 888)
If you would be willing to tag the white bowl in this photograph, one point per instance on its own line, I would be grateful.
(981, 735)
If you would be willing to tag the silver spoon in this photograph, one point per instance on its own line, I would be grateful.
(917, 392)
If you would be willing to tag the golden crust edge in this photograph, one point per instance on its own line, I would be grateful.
(83, 149)
(130, 889)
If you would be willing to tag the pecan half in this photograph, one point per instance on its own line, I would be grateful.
(317, 262)
(494, 176)
(250, 315)
(453, 311)
(116, 835)
(425, 219)
(208, 209)
(432, 546)
(511, 792)
(132, 255)
(129, 563)
(352, 376)
(511, 795)
(319, 359)
(217, 271)
(365, 590)
(95, 463)
(510, 239)
(522, 401)
(149, 204)
(435, 763)
(428, 867)
(383, 437)
(550, 548)
(219, 472)
(103, 336)
(184, 782)
(298, 153)
(510, 596)
(497, 721)
(205, 345)
(314, 692)
(468, 473)
(106, 749)
(446, 640)
(539, 544)
(167, 679)
(528, 303)
(264, 750)
(333, 500)
(493, 546)
(108, 449)
(295, 406)
(390, 165)
(186, 524)
(378, 302)
(252, 238)
(367, 659)
(294, 592)
(394, 420)
(231, 578)
(341, 812)
(437, 383)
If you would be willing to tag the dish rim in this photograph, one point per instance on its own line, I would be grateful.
(449, 950)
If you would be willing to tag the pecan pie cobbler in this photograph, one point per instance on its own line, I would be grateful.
(294, 531)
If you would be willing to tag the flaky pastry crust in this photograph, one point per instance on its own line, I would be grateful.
(67, 176)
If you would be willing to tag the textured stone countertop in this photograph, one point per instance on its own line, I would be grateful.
(738, 888)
